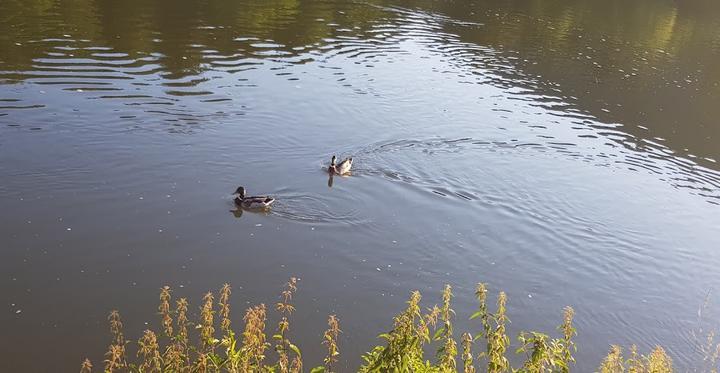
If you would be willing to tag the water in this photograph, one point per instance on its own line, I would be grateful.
(563, 151)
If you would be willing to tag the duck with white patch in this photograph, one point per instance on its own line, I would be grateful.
(342, 168)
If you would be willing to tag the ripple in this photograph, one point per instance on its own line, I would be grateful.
(704, 182)
(36, 106)
(314, 209)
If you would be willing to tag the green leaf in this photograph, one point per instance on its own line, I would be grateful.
(317, 370)
(438, 333)
(295, 349)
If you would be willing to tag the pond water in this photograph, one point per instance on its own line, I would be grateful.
(563, 151)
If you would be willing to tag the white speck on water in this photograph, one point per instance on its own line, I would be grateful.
(160, 230)
(258, 225)
(79, 90)
(69, 229)
(529, 295)
(378, 268)
(394, 241)
(18, 311)
(141, 197)
(312, 228)
(182, 286)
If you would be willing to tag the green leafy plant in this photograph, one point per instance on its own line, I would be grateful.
(404, 347)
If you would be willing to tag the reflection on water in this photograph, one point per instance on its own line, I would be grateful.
(171, 67)
(538, 145)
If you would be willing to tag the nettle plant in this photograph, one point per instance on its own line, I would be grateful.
(415, 334)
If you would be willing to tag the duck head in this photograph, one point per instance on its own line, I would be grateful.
(240, 191)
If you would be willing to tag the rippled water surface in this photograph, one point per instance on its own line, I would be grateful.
(564, 151)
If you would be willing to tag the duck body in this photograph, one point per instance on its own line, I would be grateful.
(252, 202)
(342, 168)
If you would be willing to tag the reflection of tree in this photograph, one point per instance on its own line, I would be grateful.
(648, 62)
(168, 27)
(643, 63)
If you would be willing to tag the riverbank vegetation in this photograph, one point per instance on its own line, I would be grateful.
(420, 341)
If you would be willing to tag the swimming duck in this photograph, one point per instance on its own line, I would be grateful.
(342, 168)
(252, 202)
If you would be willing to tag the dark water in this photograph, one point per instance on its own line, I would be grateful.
(564, 151)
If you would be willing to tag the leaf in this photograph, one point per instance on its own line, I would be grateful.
(295, 349)
(476, 315)
(438, 333)
(317, 370)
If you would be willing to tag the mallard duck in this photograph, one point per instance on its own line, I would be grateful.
(252, 202)
(342, 168)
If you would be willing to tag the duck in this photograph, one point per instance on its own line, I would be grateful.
(342, 168)
(252, 202)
